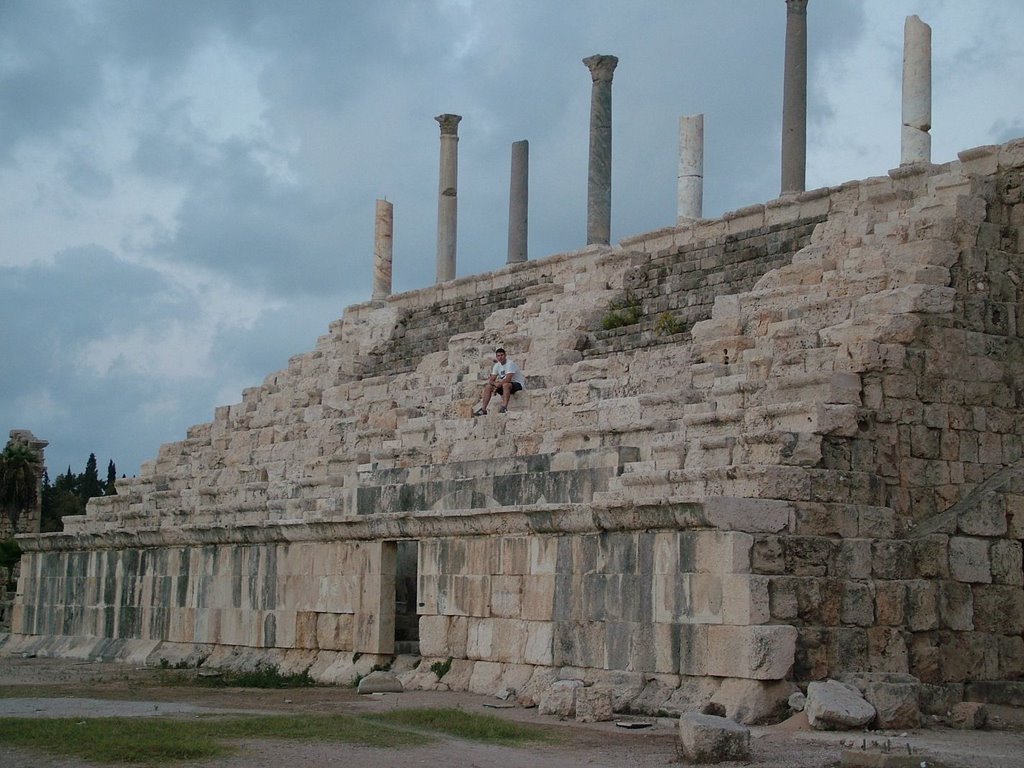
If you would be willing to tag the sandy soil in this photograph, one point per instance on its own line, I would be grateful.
(59, 688)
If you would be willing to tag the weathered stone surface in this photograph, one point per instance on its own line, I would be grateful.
(710, 739)
(751, 702)
(968, 715)
(593, 705)
(834, 705)
(560, 698)
(381, 682)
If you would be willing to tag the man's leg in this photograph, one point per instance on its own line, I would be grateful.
(506, 394)
(488, 391)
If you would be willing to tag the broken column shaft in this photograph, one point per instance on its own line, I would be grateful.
(691, 169)
(447, 197)
(383, 238)
(915, 139)
(518, 202)
(599, 172)
(794, 99)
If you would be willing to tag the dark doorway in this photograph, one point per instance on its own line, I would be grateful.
(407, 622)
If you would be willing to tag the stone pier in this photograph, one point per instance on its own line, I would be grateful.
(383, 239)
(691, 169)
(599, 174)
(518, 202)
(794, 99)
(447, 197)
(916, 141)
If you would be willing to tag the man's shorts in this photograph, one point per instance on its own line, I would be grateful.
(516, 387)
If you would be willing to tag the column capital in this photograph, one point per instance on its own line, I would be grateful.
(796, 6)
(602, 66)
(449, 124)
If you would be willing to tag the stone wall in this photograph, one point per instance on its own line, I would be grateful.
(816, 473)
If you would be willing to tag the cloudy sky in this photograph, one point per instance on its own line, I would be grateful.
(187, 188)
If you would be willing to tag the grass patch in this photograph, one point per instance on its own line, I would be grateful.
(466, 725)
(261, 677)
(147, 741)
(156, 741)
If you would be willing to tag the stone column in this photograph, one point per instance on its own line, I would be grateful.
(916, 141)
(599, 174)
(691, 169)
(518, 200)
(447, 196)
(794, 99)
(383, 239)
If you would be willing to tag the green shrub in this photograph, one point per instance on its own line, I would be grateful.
(621, 312)
(440, 668)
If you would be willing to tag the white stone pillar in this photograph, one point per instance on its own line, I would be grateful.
(518, 202)
(794, 99)
(599, 169)
(691, 169)
(916, 141)
(383, 238)
(447, 197)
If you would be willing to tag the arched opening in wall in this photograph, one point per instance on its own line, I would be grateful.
(407, 623)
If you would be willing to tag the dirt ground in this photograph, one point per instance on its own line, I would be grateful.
(59, 688)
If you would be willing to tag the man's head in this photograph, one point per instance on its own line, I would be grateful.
(499, 353)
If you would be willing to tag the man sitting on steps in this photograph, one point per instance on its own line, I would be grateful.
(506, 377)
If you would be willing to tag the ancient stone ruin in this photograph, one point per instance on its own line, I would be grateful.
(775, 447)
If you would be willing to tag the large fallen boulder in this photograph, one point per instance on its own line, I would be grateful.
(711, 739)
(833, 705)
(379, 681)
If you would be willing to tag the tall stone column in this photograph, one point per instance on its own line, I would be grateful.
(599, 174)
(794, 99)
(447, 197)
(916, 141)
(518, 202)
(383, 239)
(691, 169)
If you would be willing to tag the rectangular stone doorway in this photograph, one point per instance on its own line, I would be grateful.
(407, 620)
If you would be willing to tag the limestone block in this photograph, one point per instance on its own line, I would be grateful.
(538, 598)
(1007, 562)
(956, 606)
(543, 555)
(334, 631)
(506, 596)
(763, 652)
(593, 705)
(560, 698)
(754, 701)
(380, 681)
(895, 702)
(969, 560)
(515, 555)
(857, 605)
(747, 514)
(968, 715)
(745, 599)
(485, 678)
(833, 705)
(999, 609)
(539, 643)
(710, 739)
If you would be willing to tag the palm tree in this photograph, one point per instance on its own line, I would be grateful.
(19, 480)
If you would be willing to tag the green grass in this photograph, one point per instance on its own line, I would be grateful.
(158, 741)
(466, 725)
(260, 677)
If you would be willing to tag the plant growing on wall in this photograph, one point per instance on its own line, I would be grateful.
(625, 311)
